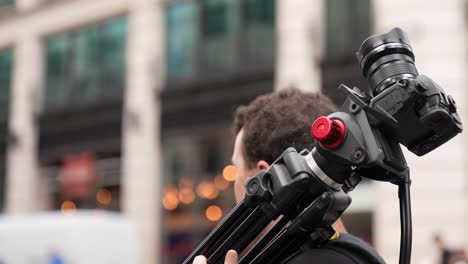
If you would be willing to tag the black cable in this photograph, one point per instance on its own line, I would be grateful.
(405, 221)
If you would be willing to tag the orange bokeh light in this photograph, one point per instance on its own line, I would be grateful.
(68, 207)
(186, 195)
(104, 197)
(170, 198)
(207, 190)
(229, 173)
(213, 213)
(220, 183)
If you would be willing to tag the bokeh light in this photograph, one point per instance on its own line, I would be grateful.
(104, 197)
(207, 190)
(229, 173)
(213, 213)
(186, 195)
(68, 207)
(170, 198)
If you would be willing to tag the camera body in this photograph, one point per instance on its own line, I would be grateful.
(425, 117)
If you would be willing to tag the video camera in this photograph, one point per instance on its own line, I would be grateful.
(307, 192)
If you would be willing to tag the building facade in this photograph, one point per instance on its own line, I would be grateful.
(141, 94)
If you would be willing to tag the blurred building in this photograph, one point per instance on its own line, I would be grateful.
(127, 105)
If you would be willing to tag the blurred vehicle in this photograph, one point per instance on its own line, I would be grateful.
(81, 237)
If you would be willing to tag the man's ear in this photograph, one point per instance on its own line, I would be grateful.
(262, 165)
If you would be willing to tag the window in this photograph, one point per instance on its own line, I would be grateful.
(181, 19)
(348, 23)
(6, 3)
(259, 20)
(218, 42)
(114, 35)
(209, 37)
(5, 82)
(215, 17)
(193, 167)
(220, 26)
(86, 65)
(6, 60)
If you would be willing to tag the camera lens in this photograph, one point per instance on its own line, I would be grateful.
(386, 58)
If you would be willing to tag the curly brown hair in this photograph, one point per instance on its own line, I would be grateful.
(276, 121)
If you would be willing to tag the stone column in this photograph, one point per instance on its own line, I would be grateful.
(141, 179)
(299, 44)
(23, 194)
(440, 178)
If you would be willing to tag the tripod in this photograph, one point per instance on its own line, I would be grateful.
(310, 199)
(306, 192)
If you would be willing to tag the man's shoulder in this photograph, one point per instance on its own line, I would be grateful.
(345, 249)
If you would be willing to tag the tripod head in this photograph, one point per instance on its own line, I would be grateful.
(309, 189)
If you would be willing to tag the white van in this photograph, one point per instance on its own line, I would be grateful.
(85, 237)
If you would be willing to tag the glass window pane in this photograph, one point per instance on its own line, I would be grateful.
(260, 12)
(181, 38)
(215, 18)
(58, 53)
(259, 41)
(207, 37)
(86, 65)
(220, 27)
(6, 3)
(363, 21)
(5, 82)
(112, 51)
(6, 67)
(348, 22)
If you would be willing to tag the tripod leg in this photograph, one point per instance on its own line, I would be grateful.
(263, 242)
(241, 237)
(221, 232)
(278, 250)
(315, 221)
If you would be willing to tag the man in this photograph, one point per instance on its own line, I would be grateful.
(264, 129)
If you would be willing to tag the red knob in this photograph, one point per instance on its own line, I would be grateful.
(329, 132)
